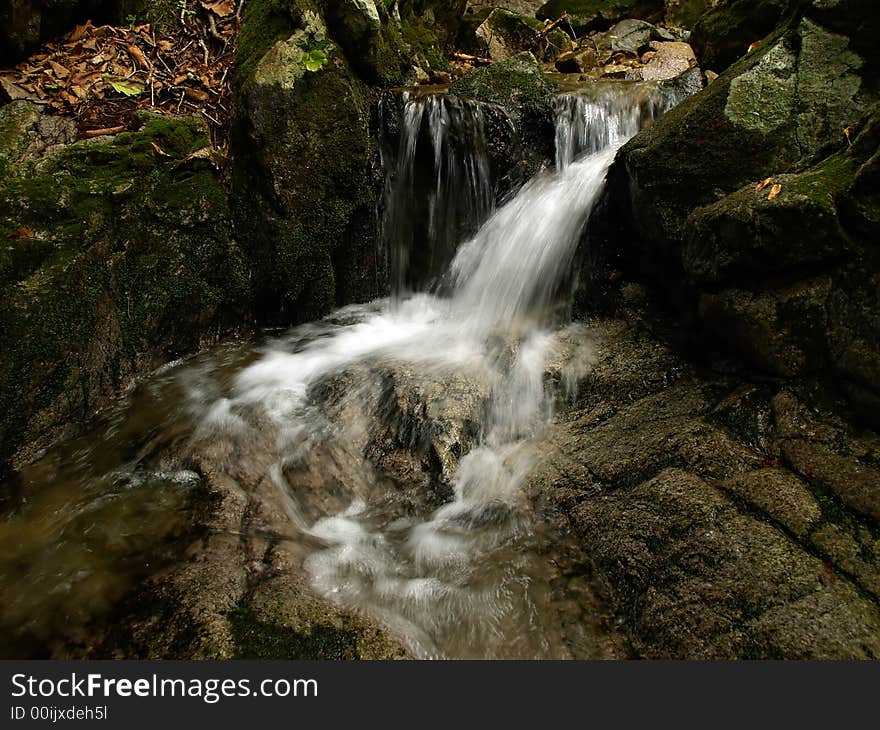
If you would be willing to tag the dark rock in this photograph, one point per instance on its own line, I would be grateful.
(115, 260)
(522, 89)
(25, 25)
(629, 36)
(577, 61)
(755, 213)
(588, 15)
(685, 13)
(724, 32)
(505, 34)
(705, 549)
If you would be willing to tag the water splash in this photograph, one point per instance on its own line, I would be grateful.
(443, 545)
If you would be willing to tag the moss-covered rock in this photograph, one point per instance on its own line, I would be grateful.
(522, 89)
(305, 160)
(113, 258)
(504, 34)
(724, 32)
(301, 174)
(751, 206)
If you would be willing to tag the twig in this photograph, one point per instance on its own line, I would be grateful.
(469, 58)
(212, 29)
(90, 133)
(550, 27)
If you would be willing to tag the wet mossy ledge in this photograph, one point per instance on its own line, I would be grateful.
(116, 257)
(305, 173)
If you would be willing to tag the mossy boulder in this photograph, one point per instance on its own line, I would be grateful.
(724, 32)
(305, 174)
(750, 206)
(587, 15)
(521, 88)
(113, 258)
(504, 34)
(301, 176)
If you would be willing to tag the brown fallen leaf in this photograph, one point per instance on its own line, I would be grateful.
(22, 232)
(78, 32)
(138, 55)
(221, 8)
(15, 92)
(159, 150)
(60, 71)
(195, 94)
(763, 184)
(774, 191)
(615, 276)
(848, 134)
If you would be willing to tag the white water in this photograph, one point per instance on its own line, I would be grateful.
(466, 578)
(439, 189)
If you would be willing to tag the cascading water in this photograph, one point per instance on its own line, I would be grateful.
(440, 187)
(398, 436)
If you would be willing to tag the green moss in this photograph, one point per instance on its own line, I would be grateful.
(518, 82)
(128, 258)
(265, 23)
(255, 639)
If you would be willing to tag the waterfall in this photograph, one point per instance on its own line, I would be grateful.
(431, 578)
(385, 452)
(440, 188)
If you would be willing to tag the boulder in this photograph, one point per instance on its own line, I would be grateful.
(630, 36)
(577, 61)
(667, 60)
(524, 91)
(725, 518)
(115, 259)
(750, 206)
(505, 34)
(725, 32)
(305, 182)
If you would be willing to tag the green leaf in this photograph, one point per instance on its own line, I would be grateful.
(314, 60)
(127, 87)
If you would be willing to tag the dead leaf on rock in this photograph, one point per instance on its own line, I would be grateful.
(763, 184)
(774, 191)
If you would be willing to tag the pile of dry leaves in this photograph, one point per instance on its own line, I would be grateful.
(103, 75)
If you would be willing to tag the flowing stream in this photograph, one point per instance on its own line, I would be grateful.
(399, 435)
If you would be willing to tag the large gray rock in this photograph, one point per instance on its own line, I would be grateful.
(723, 520)
(750, 206)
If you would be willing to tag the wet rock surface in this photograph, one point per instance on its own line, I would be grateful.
(744, 206)
(723, 519)
(114, 259)
(690, 516)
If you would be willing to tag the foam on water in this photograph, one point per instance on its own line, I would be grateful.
(450, 579)
(451, 556)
